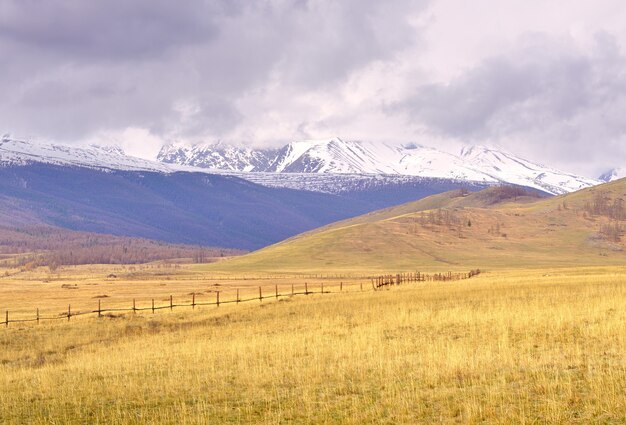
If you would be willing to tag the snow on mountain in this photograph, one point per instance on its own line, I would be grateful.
(352, 157)
(19, 152)
(337, 163)
(512, 169)
(217, 155)
(614, 174)
(336, 156)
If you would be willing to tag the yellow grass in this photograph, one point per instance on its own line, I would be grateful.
(507, 347)
(84, 287)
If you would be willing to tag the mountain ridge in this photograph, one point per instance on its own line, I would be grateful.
(336, 156)
(311, 159)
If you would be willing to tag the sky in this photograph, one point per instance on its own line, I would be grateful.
(543, 79)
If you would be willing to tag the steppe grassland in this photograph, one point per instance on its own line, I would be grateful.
(115, 286)
(505, 347)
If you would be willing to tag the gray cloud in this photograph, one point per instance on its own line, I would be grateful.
(272, 70)
(559, 102)
(80, 31)
(178, 69)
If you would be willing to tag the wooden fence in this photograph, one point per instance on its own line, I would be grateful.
(377, 283)
(400, 278)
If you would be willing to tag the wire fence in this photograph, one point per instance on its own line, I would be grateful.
(377, 283)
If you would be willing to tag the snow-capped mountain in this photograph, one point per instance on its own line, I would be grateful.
(336, 156)
(509, 168)
(614, 174)
(20, 152)
(217, 155)
(320, 165)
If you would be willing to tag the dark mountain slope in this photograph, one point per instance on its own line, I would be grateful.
(181, 207)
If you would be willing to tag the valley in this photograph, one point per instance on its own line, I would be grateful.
(312, 212)
(102, 327)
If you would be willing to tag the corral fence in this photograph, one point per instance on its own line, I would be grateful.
(377, 282)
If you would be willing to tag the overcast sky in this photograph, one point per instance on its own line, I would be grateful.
(544, 79)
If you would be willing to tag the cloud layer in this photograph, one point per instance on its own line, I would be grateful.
(532, 77)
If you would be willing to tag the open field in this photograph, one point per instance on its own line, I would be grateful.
(505, 347)
(116, 286)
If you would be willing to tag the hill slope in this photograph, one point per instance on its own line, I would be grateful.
(496, 227)
(185, 207)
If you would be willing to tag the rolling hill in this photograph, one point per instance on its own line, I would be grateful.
(495, 228)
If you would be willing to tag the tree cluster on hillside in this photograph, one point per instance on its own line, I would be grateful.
(603, 205)
(512, 192)
(612, 231)
(445, 218)
(53, 247)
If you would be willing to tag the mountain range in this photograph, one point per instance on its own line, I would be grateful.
(335, 156)
(225, 196)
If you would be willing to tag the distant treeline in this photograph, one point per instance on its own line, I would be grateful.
(53, 247)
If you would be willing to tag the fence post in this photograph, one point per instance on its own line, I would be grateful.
(152, 305)
(193, 301)
(306, 288)
(6, 320)
(260, 294)
(292, 292)
(171, 303)
(322, 286)
(134, 307)
(276, 289)
(99, 308)
(217, 294)
(69, 312)
(37, 316)
(341, 286)
(237, 295)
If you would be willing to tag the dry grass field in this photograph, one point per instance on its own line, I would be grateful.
(116, 286)
(510, 346)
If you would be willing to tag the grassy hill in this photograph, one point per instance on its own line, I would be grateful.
(494, 228)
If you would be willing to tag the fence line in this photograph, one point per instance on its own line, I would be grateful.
(377, 283)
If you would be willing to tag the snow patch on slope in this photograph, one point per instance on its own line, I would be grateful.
(20, 152)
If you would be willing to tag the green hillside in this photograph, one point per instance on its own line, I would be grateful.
(494, 228)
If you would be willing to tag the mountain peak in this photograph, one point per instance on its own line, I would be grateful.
(613, 174)
(334, 155)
